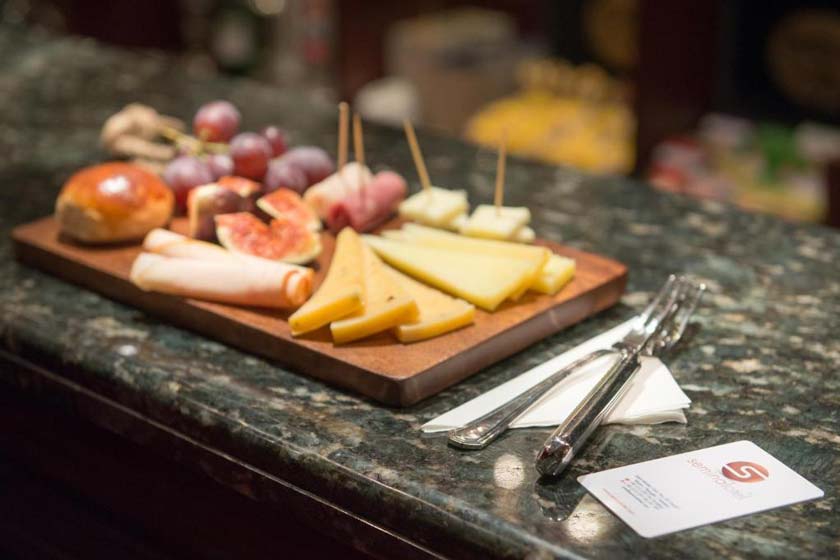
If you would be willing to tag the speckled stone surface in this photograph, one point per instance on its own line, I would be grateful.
(761, 366)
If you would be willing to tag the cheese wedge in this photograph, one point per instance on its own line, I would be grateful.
(386, 304)
(536, 256)
(439, 313)
(487, 223)
(437, 208)
(556, 273)
(342, 291)
(482, 279)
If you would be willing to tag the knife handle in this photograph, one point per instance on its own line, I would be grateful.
(571, 435)
(482, 431)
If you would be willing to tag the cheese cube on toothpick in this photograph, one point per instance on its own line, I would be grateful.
(434, 206)
(524, 235)
(497, 221)
(491, 222)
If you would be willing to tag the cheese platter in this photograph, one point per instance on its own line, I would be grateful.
(396, 308)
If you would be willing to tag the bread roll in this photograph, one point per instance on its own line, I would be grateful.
(113, 202)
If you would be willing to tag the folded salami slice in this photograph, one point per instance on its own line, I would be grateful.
(371, 205)
(240, 281)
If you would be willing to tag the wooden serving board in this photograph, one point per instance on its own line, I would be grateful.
(379, 367)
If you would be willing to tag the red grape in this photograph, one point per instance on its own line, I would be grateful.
(220, 165)
(250, 153)
(184, 173)
(216, 121)
(283, 174)
(278, 139)
(315, 163)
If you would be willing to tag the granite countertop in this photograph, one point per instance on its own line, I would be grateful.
(761, 366)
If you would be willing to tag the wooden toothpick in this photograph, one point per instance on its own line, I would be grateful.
(343, 112)
(499, 196)
(359, 146)
(418, 156)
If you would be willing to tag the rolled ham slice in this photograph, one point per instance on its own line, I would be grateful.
(171, 244)
(336, 187)
(241, 281)
(369, 206)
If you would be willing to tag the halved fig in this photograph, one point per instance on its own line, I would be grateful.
(240, 185)
(246, 188)
(244, 233)
(287, 206)
(207, 201)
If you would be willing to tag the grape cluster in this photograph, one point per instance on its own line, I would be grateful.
(263, 156)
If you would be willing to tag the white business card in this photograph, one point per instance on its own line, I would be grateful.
(699, 487)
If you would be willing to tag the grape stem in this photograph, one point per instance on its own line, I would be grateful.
(193, 144)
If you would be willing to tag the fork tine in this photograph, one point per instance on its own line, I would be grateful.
(674, 326)
(685, 313)
(662, 294)
(670, 307)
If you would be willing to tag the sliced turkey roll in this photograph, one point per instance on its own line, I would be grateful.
(237, 280)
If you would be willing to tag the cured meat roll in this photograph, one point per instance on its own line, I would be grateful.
(241, 281)
(171, 244)
(369, 206)
(337, 186)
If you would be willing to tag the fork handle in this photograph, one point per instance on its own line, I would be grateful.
(570, 436)
(479, 433)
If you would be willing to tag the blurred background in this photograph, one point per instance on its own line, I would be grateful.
(728, 100)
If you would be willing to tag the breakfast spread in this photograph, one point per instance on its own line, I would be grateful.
(255, 207)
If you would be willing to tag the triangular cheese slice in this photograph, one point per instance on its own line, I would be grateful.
(484, 280)
(536, 256)
(386, 304)
(342, 291)
(556, 273)
(439, 313)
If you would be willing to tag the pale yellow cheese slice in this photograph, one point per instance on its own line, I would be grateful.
(556, 273)
(524, 235)
(536, 256)
(482, 279)
(342, 291)
(487, 223)
(439, 313)
(457, 222)
(386, 304)
(437, 207)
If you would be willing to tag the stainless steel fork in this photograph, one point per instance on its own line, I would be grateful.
(571, 435)
(482, 431)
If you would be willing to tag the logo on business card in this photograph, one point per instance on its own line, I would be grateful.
(745, 471)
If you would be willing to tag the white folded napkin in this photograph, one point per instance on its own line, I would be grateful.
(653, 398)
